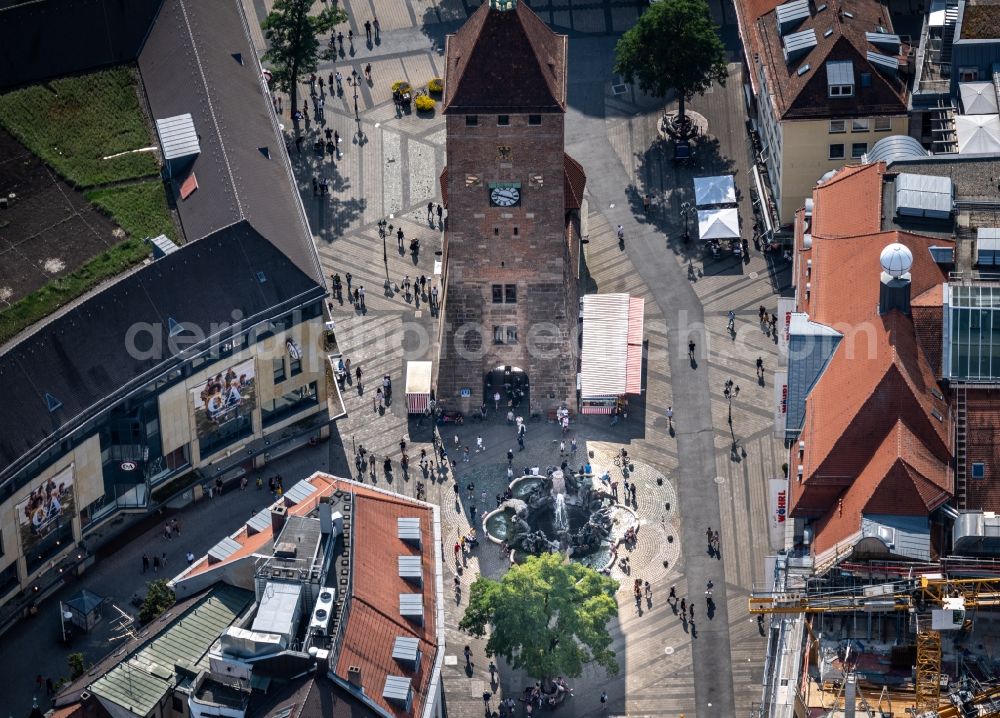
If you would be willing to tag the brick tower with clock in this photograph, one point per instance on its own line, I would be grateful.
(511, 248)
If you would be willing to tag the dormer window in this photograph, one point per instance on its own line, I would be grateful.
(840, 78)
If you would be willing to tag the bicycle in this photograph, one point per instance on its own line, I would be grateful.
(621, 459)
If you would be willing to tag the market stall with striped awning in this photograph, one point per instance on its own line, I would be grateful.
(611, 358)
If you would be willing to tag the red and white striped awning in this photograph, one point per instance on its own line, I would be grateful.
(611, 361)
(418, 386)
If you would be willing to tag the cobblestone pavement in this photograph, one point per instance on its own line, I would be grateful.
(390, 171)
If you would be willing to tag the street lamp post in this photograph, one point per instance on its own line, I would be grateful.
(384, 229)
(354, 81)
(686, 209)
(731, 391)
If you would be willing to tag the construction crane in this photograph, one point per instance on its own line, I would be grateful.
(946, 598)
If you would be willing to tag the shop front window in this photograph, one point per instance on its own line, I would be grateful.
(291, 403)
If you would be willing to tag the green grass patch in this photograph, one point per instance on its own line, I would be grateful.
(58, 292)
(74, 122)
(140, 209)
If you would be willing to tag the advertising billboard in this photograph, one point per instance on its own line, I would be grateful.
(49, 506)
(225, 401)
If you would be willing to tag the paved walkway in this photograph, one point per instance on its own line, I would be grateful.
(668, 667)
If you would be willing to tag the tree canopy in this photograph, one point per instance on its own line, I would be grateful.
(548, 616)
(293, 40)
(675, 45)
(159, 597)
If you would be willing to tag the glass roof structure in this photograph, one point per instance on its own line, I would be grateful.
(971, 332)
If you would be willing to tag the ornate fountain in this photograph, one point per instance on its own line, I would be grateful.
(559, 512)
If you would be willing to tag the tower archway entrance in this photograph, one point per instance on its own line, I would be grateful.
(506, 387)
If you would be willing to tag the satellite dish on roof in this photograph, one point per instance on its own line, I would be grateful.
(896, 259)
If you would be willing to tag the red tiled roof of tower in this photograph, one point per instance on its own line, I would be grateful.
(840, 36)
(983, 427)
(505, 60)
(575, 181)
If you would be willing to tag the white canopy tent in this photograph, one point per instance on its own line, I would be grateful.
(978, 134)
(710, 191)
(978, 98)
(719, 223)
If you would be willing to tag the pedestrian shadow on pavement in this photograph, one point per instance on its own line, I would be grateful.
(329, 215)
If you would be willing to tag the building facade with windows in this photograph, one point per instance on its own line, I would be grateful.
(198, 364)
(512, 243)
(826, 82)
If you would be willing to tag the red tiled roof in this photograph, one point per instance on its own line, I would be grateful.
(877, 376)
(575, 181)
(374, 621)
(747, 12)
(927, 311)
(873, 439)
(805, 95)
(505, 60)
(982, 446)
(901, 478)
(854, 187)
(846, 270)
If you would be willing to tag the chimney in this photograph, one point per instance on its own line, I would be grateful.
(894, 288)
(325, 514)
(278, 515)
(894, 293)
(354, 677)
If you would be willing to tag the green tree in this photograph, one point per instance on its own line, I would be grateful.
(77, 667)
(675, 45)
(159, 597)
(548, 616)
(293, 42)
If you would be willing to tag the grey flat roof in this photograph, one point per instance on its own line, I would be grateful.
(883, 61)
(799, 42)
(396, 688)
(224, 549)
(791, 12)
(260, 521)
(80, 356)
(279, 608)
(408, 528)
(188, 65)
(923, 195)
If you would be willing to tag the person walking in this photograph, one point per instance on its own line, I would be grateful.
(670, 418)
(156, 564)
(487, 695)
(399, 237)
(468, 656)
(691, 349)
(368, 72)
(440, 214)
(732, 320)
(465, 455)
(479, 444)
(510, 457)
(760, 367)
(368, 31)
(361, 292)
(673, 594)
(604, 700)
(683, 607)
(145, 563)
(761, 312)
(430, 211)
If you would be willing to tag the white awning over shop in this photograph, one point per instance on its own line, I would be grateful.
(718, 223)
(611, 361)
(710, 191)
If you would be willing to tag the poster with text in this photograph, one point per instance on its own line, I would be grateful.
(225, 400)
(49, 506)
(778, 507)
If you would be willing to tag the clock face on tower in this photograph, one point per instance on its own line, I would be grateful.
(505, 196)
